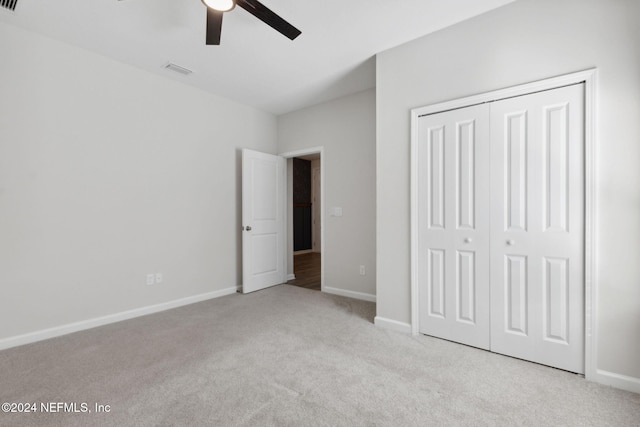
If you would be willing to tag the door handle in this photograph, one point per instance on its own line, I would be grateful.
(468, 240)
(510, 242)
(248, 228)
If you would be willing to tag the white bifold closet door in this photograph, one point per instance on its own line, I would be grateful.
(537, 227)
(501, 226)
(453, 242)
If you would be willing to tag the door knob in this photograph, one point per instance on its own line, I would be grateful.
(510, 242)
(468, 240)
(248, 228)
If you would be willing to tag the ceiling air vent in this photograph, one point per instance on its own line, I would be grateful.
(9, 4)
(176, 68)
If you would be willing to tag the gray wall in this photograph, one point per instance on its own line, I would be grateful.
(108, 173)
(526, 41)
(346, 129)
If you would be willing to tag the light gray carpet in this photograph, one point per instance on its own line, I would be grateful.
(288, 356)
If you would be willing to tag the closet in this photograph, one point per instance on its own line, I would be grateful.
(500, 226)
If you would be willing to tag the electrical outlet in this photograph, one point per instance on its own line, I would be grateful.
(362, 270)
(158, 277)
(151, 279)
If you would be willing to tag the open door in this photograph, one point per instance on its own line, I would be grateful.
(263, 201)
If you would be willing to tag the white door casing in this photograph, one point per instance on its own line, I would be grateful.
(289, 251)
(537, 227)
(263, 201)
(453, 240)
(315, 206)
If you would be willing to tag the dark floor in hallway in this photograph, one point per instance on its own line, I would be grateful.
(306, 267)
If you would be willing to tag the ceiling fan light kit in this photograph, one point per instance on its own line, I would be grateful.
(220, 5)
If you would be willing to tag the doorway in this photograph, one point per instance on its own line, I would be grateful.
(304, 219)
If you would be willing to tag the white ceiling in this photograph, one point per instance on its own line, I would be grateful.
(254, 65)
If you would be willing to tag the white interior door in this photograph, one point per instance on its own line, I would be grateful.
(453, 225)
(537, 229)
(263, 198)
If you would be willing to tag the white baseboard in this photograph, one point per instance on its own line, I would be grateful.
(392, 325)
(291, 277)
(111, 318)
(612, 379)
(350, 294)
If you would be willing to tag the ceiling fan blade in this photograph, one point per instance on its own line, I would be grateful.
(214, 26)
(267, 16)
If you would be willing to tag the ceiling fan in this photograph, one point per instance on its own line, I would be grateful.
(216, 8)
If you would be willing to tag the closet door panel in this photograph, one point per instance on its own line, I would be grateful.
(537, 227)
(453, 225)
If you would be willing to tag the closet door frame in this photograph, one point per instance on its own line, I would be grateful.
(589, 78)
